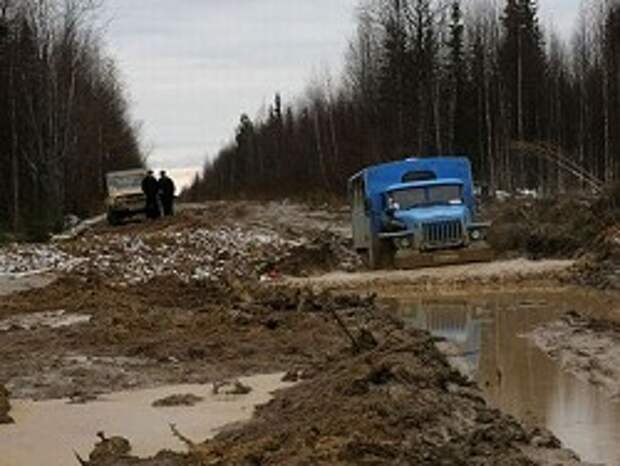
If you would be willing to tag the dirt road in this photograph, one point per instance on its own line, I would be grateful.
(498, 275)
(225, 290)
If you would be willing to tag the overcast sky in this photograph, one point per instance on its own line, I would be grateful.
(193, 66)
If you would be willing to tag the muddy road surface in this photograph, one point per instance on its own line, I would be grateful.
(453, 279)
(586, 347)
(228, 291)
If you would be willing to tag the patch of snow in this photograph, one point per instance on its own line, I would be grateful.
(52, 319)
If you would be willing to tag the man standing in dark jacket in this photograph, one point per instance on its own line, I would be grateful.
(150, 188)
(166, 192)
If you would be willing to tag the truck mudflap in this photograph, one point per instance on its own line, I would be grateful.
(475, 252)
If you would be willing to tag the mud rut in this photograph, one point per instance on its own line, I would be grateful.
(202, 298)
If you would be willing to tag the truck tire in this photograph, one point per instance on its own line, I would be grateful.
(380, 255)
(113, 218)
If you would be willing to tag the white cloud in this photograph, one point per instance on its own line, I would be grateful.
(193, 66)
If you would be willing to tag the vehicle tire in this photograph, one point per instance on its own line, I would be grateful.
(380, 255)
(113, 218)
(388, 255)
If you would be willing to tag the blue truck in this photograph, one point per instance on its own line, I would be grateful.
(419, 208)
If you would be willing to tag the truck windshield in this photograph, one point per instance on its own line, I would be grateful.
(428, 195)
(124, 182)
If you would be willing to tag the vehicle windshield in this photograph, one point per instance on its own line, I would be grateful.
(125, 182)
(427, 196)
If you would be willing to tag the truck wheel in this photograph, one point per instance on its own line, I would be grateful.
(380, 255)
(114, 219)
(371, 257)
(388, 255)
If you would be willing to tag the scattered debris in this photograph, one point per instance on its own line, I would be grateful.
(226, 387)
(109, 450)
(74, 227)
(292, 376)
(188, 399)
(195, 247)
(20, 258)
(80, 398)
(191, 445)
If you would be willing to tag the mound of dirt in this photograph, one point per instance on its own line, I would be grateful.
(397, 404)
(600, 268)
(231, 388)
(5, 406)
(562, 227)
(207, 241)
(583, 228)
(393, 400)
(168, 331)
(109, 451)
(324, 252)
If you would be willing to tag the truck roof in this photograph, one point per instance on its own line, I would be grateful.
(425, 184)
(397, 164)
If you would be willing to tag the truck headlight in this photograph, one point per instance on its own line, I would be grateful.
(475, 235)
(405, 242)
(393, 206)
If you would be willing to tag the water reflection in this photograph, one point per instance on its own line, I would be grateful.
(450, 322)
(516, 376)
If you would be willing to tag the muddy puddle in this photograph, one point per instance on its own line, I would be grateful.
(58, 428)
(484, 337)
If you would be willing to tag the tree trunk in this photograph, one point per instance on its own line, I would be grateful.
(14, 151)
(319, 149)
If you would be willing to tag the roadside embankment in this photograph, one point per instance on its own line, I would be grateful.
(584, 228)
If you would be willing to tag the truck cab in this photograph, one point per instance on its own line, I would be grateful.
(414, 206)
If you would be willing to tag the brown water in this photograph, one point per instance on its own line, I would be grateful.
(47, 433)
(517, 377)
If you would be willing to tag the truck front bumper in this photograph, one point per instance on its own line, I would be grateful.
(436, 238)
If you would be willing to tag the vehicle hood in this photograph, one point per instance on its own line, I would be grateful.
(125, 192)
(122, 196)
(413, 217)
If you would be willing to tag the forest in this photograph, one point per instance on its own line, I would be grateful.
(483, 78)
(63, 114)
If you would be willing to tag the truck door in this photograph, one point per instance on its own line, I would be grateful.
(360, 214)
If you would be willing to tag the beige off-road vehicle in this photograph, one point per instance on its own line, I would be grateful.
(125, 196)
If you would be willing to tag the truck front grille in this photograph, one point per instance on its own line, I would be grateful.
(442, 234)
